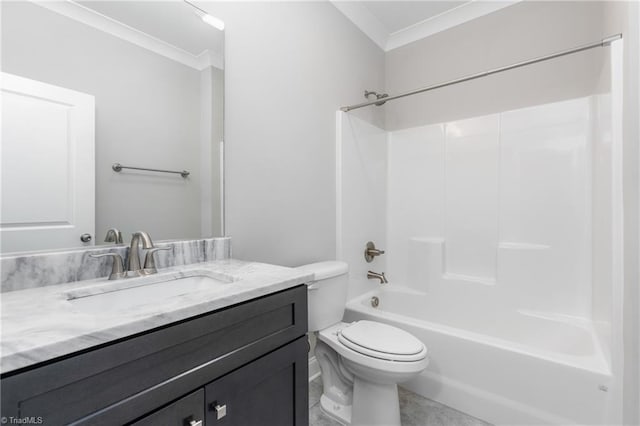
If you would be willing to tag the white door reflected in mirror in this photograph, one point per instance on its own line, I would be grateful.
(48, 166)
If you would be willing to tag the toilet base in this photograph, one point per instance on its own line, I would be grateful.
(338, 412)
(375, 404)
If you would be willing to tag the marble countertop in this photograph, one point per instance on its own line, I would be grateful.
(41, 324)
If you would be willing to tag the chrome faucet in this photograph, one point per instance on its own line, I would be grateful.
(133, 261)
(374, 275)
(113, 236)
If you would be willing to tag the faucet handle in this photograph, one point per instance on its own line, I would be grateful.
(113, 236)
(370, 251)
(117, 269)
(149, 260)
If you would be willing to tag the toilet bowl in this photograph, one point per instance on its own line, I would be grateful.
(361, 362)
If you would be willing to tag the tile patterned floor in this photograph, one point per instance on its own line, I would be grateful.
(414, 411)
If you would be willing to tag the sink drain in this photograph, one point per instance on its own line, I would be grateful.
(375, 301)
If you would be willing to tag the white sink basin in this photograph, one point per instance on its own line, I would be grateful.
(143, 295)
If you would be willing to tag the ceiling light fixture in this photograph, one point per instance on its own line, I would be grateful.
(211, 20)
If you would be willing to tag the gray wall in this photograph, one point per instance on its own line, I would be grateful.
(288, 67)
(513, 34)
(147, 114)
(217, 137)
(211, 136)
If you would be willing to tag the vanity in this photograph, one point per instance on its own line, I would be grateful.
(220, 342)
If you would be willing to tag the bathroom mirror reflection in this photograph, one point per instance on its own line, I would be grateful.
(89, 84)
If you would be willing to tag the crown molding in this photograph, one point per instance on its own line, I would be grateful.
(448, 19)
(101, 22)
(375, 30)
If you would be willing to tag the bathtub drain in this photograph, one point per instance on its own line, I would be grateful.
(375, 301)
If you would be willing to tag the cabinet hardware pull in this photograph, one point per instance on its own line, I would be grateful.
(195, 423)
(221, 411)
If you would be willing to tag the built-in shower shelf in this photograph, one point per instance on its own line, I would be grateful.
(522, 246)
(469, 278)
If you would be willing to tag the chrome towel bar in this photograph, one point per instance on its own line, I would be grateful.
(117, 167)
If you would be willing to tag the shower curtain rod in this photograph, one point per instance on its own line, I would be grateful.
(602, 43)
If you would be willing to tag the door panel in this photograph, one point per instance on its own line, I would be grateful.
(48, 166)
(271, 391)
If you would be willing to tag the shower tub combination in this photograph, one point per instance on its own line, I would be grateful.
(503, 239)
(515, 301)
(509, 368)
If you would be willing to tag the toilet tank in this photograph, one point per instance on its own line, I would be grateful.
(327, 293)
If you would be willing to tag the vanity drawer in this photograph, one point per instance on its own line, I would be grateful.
(186, 411)
(181, 357)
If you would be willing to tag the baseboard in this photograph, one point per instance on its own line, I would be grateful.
(314, 368)
(479, 403)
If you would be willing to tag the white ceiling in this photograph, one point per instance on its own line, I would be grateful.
(173, 22)
(391, 24)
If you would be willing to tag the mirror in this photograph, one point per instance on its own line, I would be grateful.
(90, 84)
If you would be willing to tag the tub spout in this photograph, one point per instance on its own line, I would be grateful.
(374, 275)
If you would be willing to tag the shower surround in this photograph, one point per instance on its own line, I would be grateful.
(502, 236)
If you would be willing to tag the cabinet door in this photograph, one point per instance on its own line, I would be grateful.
(187, 411)
(271, 391)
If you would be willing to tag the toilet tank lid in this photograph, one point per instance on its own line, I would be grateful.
(324, 270)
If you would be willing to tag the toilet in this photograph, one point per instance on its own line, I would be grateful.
(361, 362)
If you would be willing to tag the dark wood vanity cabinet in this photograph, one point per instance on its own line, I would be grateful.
(243, 365)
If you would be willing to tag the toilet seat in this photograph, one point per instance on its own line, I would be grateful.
(330, 336)
(374, 370)
(382, 341)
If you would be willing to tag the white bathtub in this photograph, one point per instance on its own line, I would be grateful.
(506, 367)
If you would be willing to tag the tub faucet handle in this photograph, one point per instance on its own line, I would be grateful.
(370, 251)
